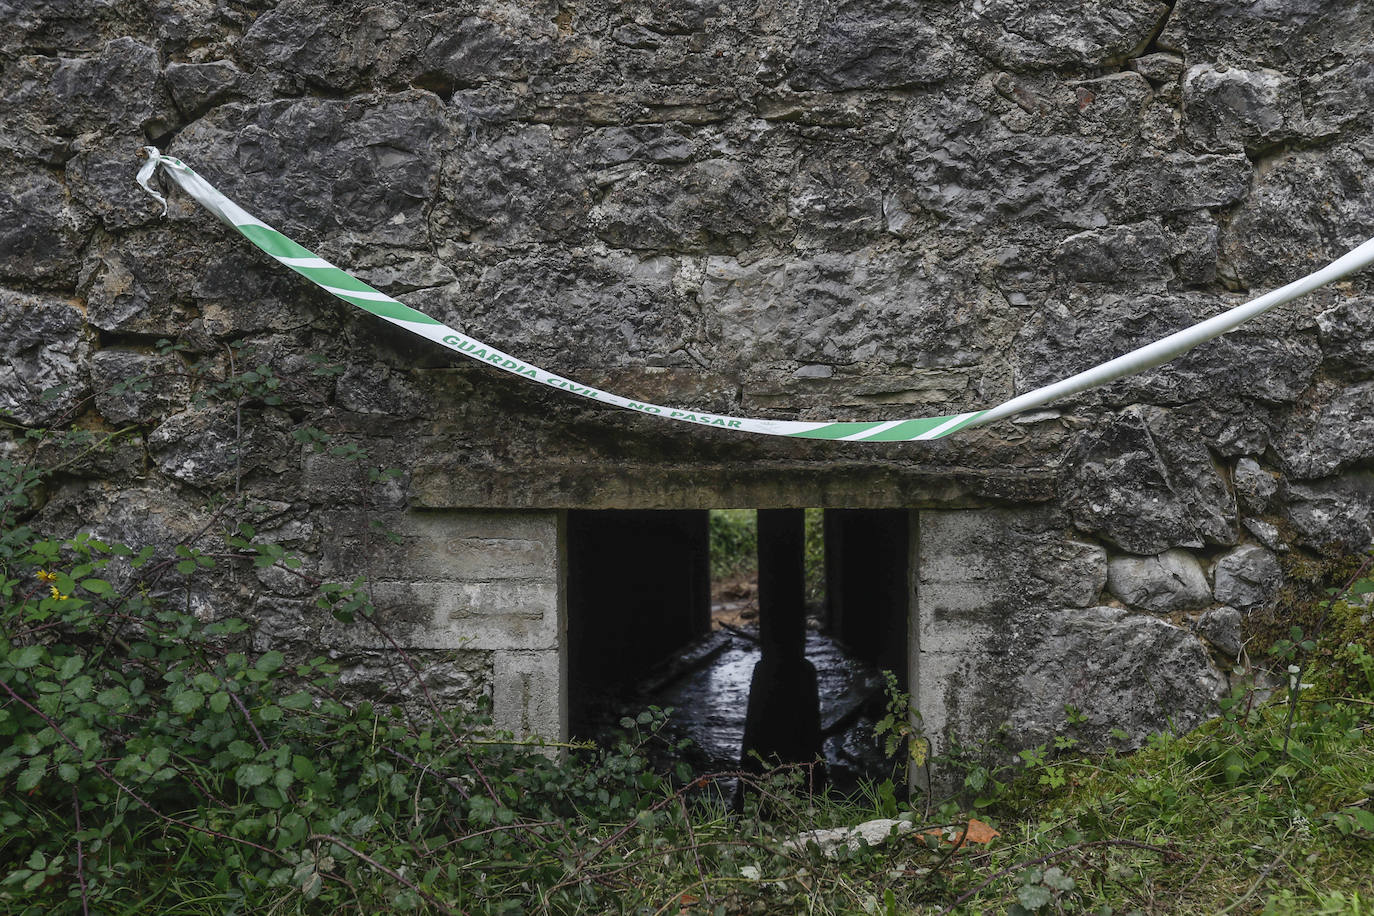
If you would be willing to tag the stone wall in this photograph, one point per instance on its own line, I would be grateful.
(817, 209)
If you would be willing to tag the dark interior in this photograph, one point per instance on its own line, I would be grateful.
(639, 590)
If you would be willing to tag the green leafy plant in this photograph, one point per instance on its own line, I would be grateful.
(1047, 889)
(900, 727)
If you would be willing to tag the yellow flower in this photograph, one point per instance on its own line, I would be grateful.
(45, 576)
(56, 594)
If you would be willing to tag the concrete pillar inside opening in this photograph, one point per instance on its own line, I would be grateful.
(782, 723)
(782, 581)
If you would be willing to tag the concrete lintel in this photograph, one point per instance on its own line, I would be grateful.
(774, 485)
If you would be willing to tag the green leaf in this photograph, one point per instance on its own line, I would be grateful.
(219, 702)
(298, 700)
(1365, 818)
(1033, 896)
(186, 567)
(81, 687)
(268, 797)
(302, 767)
(242, 750)
(97, 586)
(29, 778)
(252, 774)
(270, 661)
(188, 701)
(26, 657)
(113, 697)
(70, 667)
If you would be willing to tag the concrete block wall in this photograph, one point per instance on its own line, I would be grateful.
(482, 582)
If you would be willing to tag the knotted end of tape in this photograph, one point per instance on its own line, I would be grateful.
(145, 174)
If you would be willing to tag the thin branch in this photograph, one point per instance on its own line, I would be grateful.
(449, 781)
(1264, 873)
(80, 854)
(394, 875)
(91, 448)
(503, 828)
(692, 839)
(238, 424)
(944, 860)
(247, 716)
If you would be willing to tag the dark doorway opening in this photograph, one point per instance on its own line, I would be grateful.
(642, 629)
(639, 588)
(868, 591)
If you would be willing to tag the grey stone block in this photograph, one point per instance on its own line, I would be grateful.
(865, 45)
(1255, 487)
(1222, 628)
(198, 87)
(43, 348)
(1337, 434)
(45, 230)
(1159, 68)
(1347, 337)
(1127, 671)
(1332, 514)
(1146, 488)
(1247, 577)
(1228, 108)
(1171, 581)
(136, 387)
(1119, 254)
(1266, 534)
(1022, 36)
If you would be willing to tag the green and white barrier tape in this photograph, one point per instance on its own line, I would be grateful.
(350, 289)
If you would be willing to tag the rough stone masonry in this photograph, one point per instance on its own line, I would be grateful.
(817, 209)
